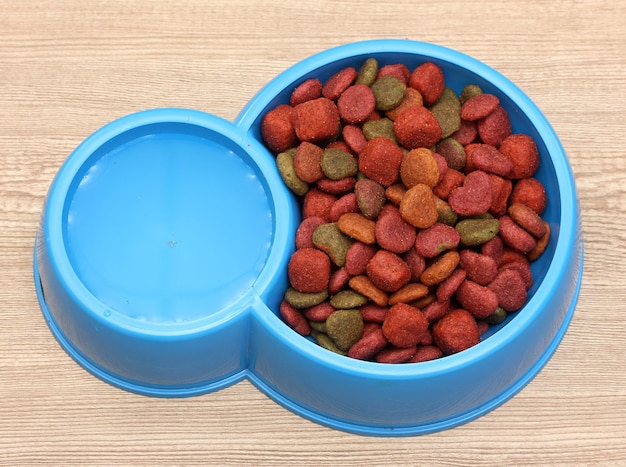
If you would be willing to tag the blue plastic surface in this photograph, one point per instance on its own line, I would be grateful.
(161, 261)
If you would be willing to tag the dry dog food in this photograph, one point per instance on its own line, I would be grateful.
(420, 211)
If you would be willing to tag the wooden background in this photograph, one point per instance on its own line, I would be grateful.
(68, 67)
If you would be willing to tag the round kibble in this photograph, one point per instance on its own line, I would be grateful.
(329, 239)
(286, 168)
(388, 92)
(345, 328)
(404, 325)
(309, 270)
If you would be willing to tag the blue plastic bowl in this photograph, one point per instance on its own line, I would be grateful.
(161, 261)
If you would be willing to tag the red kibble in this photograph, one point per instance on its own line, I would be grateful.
(480, 301)
(466, 134)
(510, 289)
(479, 106)
(488, 159)
(304, 234)
(294, 318)
(373, 313)
(451, 179)
(425, 353)
(523, 269)
(338, 281)
(338, 83)
(415, 262)
(354, 138)
(447, 289)
(474, 197)
(316, 121)
(336, 187)
(417, 127)
(528, 219)
(347, 203)
(493, 248)
(436, 239)
(317, 203)
(500, 192)
(515, 236)
(277, 129)
(319, 312)
(455, 332)
(399, 70)
(428, 79)
(531, 192)
(388, 271)
(369, 345)
(306, 162)
(357, 257)
(436, 310)
(380, 160)
(306, 91)
(404, 325)
(494, 127)
(522, 151)
(309, 270)
(392, 355)
(356, 104)
(393, 233)
(481, 269)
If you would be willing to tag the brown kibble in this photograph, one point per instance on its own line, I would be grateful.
(418, 206)
(410, 292)
(528, 219)
(356, 226)
(395, 192)
(441, 269)
(542, 244)
(411, 98)
(419, 166)
(363, 285)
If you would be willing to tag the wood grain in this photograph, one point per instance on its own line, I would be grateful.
(67, 68)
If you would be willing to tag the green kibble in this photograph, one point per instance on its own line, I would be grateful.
(329, 239)
(475, 232)
(368, 72)
(337, 164)
(451, 98)
(468, 92)
(284, 162)
(347, 299)
(389, 92)
(380, 127)
(445, 213)
(448, 116)
(302, 300)
(453, 152)
(319, 326)
(326, 342)
(497, 316)
(345, 328)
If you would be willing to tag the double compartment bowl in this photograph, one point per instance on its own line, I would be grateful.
(161, 261)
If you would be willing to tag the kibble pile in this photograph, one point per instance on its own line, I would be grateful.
(420, 211)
